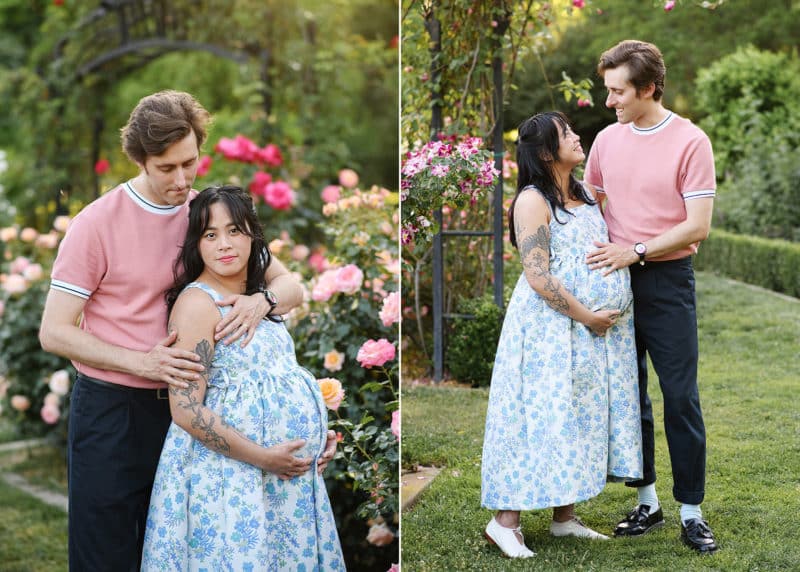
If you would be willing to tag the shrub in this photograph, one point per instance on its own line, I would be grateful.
(473, 342)
(771, 264)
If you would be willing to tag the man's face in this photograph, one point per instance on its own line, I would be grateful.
(622, 95)
(169, 176)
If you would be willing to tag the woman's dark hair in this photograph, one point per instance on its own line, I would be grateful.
(189, 265)
(537, 150)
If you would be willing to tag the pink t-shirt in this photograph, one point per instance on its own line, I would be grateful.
(118, 255)
(648, 175)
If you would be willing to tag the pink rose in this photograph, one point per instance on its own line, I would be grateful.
(375, 353)
(349, 279)
(380, 535)
(204, 165)
(325, 286)
(331, 193)
(50, 414)
(396, 567)
(396, 423)
(15, 284)
(390, 312)
(28, 234)
(270, 155)
(52, 399)
(20, 402)
(239, 149)
(102, 166)
(332, 392)
(584, 102)
(318, 262)
(48, 241)
(259, 184)
(300, 252)
(579, 3)
(2, 308)
(19, 265)
(668, 6)
(348, 178)
(279, 195)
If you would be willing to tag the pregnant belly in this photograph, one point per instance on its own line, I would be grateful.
(276, 411)
(598, 292)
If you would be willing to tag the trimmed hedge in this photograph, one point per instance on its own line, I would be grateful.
(772, 264)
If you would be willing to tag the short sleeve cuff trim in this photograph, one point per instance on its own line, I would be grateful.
(701, 194)
(70, 289)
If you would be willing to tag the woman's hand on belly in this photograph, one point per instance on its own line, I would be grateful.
(279, 459)
(329, 452)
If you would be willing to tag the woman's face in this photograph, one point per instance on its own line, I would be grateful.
(570, 152)
(224, 248)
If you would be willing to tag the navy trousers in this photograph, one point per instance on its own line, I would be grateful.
(666, 329)
(113, 446)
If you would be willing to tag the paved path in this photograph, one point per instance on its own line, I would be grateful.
(413, 483)
(16, 451)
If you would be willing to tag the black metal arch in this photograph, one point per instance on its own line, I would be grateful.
(121, 36)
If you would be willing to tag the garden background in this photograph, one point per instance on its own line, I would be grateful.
(298, 92)
(733, 68)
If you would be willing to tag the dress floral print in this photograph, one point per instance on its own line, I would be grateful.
(209, 512)
(563, 415)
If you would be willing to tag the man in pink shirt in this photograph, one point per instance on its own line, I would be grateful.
(655, 174)
(106, 312)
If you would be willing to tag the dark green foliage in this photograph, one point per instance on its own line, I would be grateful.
(473, 343)
(772, 264)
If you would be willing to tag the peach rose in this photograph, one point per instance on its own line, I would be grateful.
(396, 424)
(33, 272)
(334, 360)
(348, 178)
(15, 284)
(19, 265)
(380, 535)
(300, 252)
(20, 402)
(52, 399)
(28, 234)
(61, 223)
(332, 392)
(48, 241)
(8, 234)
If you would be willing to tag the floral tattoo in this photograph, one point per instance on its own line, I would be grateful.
(534, 251)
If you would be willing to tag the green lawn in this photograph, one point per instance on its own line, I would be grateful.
(749, 375)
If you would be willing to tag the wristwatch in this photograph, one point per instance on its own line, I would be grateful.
(271, 299)
(641, 250)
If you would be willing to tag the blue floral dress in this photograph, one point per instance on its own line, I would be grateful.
(209, 512)
(563, 415)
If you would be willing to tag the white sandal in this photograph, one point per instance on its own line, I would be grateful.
(506, 540)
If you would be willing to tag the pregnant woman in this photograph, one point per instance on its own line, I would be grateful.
(235, 487)
(563, 415)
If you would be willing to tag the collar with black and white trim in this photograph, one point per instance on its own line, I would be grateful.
(148, 205)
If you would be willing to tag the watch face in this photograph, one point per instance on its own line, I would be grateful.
(270, 297)
(639, 248)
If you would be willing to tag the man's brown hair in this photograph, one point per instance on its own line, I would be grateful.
(161, 119)
(645, 64)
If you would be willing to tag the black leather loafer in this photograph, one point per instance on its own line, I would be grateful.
(698, 536)
(639, 521)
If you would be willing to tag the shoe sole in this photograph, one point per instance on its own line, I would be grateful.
(650, 529)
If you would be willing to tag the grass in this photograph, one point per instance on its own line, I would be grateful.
(33, 535)
(748, 385)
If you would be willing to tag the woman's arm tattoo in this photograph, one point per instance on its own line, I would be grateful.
(210, 438)
(534, 251)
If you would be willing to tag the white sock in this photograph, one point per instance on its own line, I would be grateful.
(689, 511)
(648, 496)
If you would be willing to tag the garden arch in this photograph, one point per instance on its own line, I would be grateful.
(122, 36)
